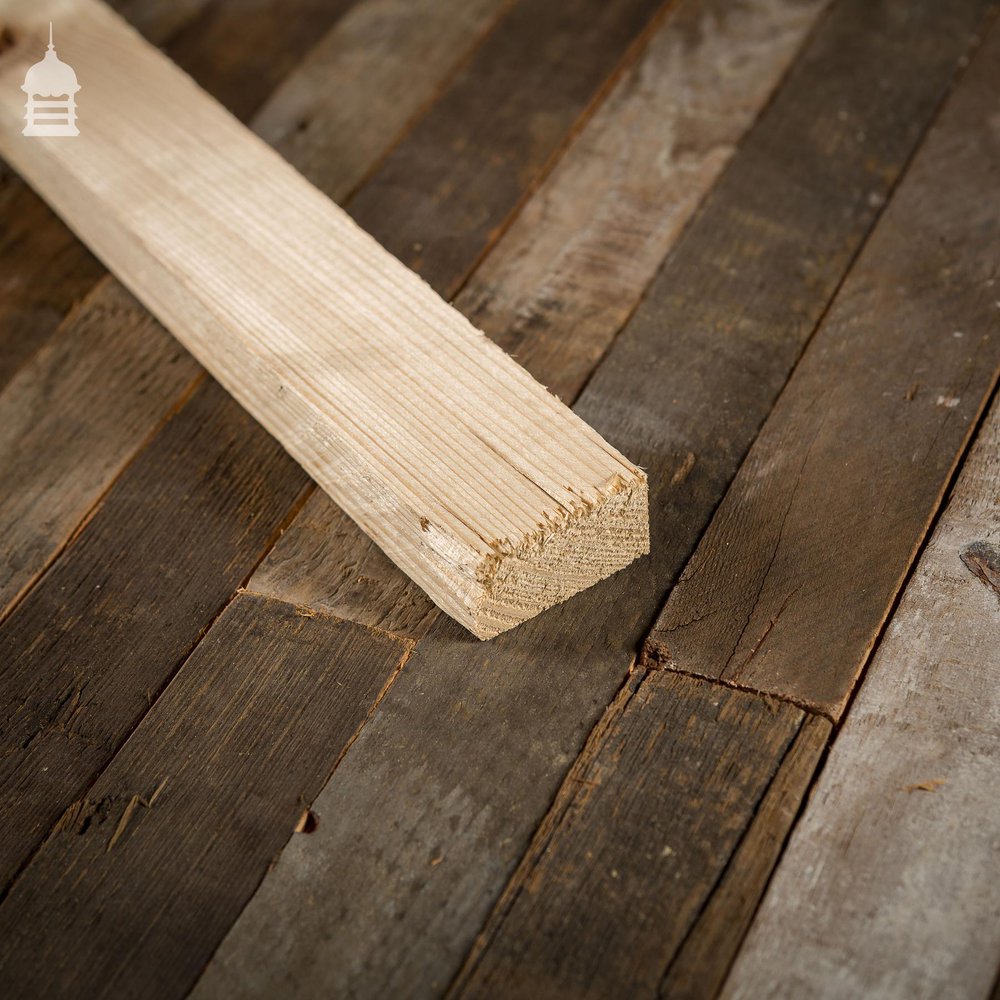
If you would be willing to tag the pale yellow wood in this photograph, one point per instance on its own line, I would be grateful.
(490, 493)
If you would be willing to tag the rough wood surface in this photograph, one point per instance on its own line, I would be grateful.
(486, 490)
(212, 46)
(791, 584)
(161, 854)
(44, 268)
(702, 961)
(887, 888)
(572, 266)
(170, 525)
(677, 740)
(508, 112)
(342, 108)
(78, 411)
(438, 798)
(70, 420)
(90, 647)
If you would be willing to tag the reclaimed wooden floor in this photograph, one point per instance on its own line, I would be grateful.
(756, 244)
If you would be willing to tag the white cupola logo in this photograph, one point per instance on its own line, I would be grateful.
(50, 78)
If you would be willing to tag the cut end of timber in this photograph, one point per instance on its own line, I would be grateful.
(562, 558)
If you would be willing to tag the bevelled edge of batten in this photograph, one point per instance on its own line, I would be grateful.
(561, 559)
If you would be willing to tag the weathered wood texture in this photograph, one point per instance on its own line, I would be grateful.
(508, 113)
(700, 965)
(70, 420)
(123, 875)
(434, 805)
(77, 412)
(363, 84)
(572, 266)
(797, 572)
(212, 46)
(887, 888)
(91, 645)
(564, 913)
(44, 268)
(712, 748)
(484, 488)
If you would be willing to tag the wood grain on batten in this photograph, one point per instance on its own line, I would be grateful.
(45, 268)
(430, 811)
(791, 584)
(77, 411)
(195, 787)
(896, 854)
(485, 489)
(574, 263)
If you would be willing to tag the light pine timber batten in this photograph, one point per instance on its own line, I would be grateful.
(478, 483)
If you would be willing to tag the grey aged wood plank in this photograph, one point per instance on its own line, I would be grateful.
(572, 266)
(663, 795)
(797, 572)
(79, 410)
(566, 913)
(703, 959)
(89, 648)
(213, 46)
(45, 270)
(888, 888)
(436, 802)
(72, 417)
(370, 77)
(466, 166)
(161, 854)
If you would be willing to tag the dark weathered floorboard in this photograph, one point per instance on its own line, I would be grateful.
(90, 647)
(576, 912)
(44, 269)
(791, 584)
(214, 46)
(706, 756)
(180, 828)
(370, 77)
(430, 811)
(443, 194)
(702, 960)
(71, 418)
